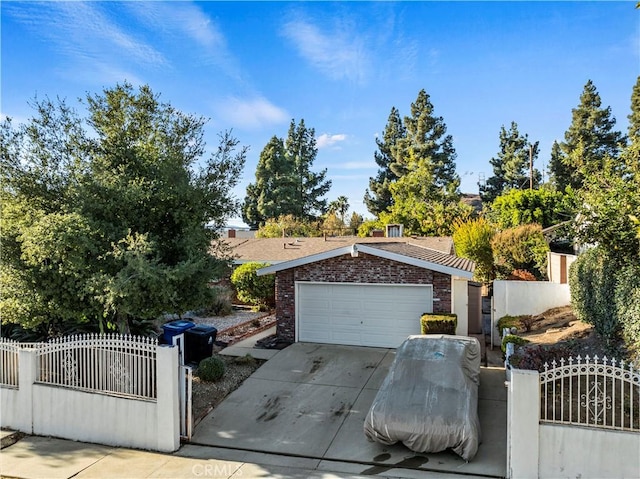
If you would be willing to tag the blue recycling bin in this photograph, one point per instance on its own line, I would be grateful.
(174, 328)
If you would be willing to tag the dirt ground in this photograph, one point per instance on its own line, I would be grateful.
(554, 334)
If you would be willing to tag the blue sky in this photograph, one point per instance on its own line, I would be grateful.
(341, 66)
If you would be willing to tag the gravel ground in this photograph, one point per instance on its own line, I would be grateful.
(223, 323)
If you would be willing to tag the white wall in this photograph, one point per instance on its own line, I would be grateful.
(94, 417)
(460, 304)
(550, 451)
(525, 297)
(588, 453)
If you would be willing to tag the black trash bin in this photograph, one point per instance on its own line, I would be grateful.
(199, 343)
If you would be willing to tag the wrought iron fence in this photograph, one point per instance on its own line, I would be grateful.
(9, 362)
(596, 392)
(121, 365)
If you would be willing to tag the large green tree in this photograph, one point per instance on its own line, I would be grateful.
(419, 142)
(285, 183)
(311, 186)
(104, 218)
(378, 197)
(590, 139)
(511, 167)
(544, 206)
(274, 191)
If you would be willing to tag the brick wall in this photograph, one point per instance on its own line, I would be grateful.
(345, 269)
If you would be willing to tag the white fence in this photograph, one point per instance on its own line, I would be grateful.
(525, 297)
(107, 389)
(561, 421)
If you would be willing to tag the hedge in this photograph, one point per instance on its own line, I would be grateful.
(440, 323)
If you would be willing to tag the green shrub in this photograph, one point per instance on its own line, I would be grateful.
(211, 369)
(627, 304)
(438, 323)
(508, 322)
(254, 289)
(592, 281)
(520, 248)
(512, 338)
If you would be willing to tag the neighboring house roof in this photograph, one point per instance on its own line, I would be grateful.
(396, 251)
(277, 250)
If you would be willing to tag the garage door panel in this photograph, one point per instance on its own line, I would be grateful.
(366, 315)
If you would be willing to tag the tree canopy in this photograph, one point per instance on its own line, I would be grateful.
(589, 140)
(108, 220)
(285, 183)
(419, 139)
(511, 168)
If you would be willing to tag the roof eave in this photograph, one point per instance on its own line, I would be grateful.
(369, 250)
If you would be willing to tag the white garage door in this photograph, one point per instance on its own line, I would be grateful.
(360, 314)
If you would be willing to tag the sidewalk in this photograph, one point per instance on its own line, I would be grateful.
(36, 457)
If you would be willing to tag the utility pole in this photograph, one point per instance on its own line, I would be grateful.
(530, 166)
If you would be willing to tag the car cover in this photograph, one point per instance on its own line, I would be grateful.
(429, 399)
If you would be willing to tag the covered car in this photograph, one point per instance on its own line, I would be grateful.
(429, 399)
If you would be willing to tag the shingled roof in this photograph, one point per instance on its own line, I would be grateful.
(402, 252)
(277, 250)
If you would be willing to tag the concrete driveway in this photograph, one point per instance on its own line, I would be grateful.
(310, 401)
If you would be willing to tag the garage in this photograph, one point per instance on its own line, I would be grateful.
(380, 315)
(367, 294)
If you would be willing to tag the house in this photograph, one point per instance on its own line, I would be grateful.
(369, 293)
(277, 250)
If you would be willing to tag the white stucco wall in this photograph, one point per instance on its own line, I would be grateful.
(525, 297)
(588, 453)
(93, 417)
(460, 304)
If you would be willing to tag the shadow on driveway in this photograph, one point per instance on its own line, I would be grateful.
(308, 403)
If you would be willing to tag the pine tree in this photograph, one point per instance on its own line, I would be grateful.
(426, 138)
(511, 166)
(301, 150)
(634, 116)
(588, 141)
(559, 172)
(378, 197)
(273, 193)
(285, 184)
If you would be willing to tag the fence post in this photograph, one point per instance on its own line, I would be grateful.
(523, 424)
(27, 371)
(168, 403)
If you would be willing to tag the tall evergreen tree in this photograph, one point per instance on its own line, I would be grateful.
(378, 197)
(588, 141)
(423, 137)
(559, 172)
(511, 166)
(285, 184)
(301, 151)
(634, 116)
(273, 193)
(426, 138)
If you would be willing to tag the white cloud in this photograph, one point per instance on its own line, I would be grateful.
(339, 53)
(326, 141)
(251, 114)
(85, 33)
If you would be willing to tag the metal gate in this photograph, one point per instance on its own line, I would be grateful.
(185, 379)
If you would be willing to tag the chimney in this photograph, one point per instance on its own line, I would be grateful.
(377, 234)
(231, 233)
